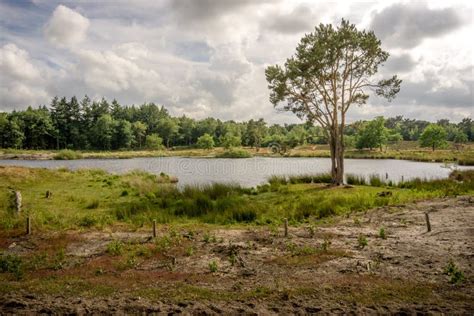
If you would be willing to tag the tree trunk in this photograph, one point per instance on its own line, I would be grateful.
(337, 160)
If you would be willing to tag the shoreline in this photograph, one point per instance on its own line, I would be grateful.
(465, 158)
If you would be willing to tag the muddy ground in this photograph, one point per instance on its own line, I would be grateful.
(316, 269)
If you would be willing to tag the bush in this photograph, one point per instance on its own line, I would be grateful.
(234, 153)
(362, 241)
(455, 274)
(154, 142)
(12, 264)
(67, 154)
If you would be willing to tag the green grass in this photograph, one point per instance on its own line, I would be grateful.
(67, 154)
(87, 199)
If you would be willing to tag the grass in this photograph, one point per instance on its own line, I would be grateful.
(67, 154)
(95, 199)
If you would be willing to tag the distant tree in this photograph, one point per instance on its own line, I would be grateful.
(139, 132)
(296, 136)
(186, 129)
(459, 137)
(255, 133)
(373, 134)
(229, 140)
(12, 135)
(332, 69)
(102, 132)
(154, 142)
(205, 141)
(467, 126)
(168, 129)
(123, 135)
(433, 136)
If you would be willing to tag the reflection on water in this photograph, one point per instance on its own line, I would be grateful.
(247, 172)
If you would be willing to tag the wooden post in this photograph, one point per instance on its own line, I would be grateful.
(28, 226)
(386, 175)
(286, 227)
(18, 201)
(402, 179)
(428, 225)
(154, 228)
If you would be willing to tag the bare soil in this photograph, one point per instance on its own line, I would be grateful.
(322, 269)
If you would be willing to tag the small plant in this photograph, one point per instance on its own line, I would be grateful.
(382, 233)
(59, 258)
(12, 264)
(362, 241)
(311, 231)
(208, 238)
(189, 251)
(326, 244)
(115, 248)
(233, 259)
(455, 274)
(213, 266)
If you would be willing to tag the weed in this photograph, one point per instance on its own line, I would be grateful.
(362, 241)
(382, 233)
(326, 244)
(115, 248)
(189, 251)
(354, 179)
(455, 274)
(213, 266)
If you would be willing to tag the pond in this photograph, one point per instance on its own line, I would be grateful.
(247, 172)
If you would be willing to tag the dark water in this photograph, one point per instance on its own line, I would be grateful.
(247, 172)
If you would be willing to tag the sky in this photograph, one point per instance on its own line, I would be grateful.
(208, 57)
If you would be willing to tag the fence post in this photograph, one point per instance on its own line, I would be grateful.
(18, 201)
(154, 228)
(428, 224)
(286, 227)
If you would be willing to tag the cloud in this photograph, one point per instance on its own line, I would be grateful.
(399, 63)
(407, 25)
(300, 19)
(188, 11)
(21, 82)
(66, 27)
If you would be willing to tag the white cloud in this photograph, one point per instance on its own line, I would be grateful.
(66, 27)
(21, 82)
(207, 58)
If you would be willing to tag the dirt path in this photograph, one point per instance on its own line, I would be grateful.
(315, 270)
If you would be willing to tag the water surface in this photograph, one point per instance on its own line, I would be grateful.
(247, 172)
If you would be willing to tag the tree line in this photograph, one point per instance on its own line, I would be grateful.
(104, 125)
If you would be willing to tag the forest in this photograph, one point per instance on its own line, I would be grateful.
(103, 125)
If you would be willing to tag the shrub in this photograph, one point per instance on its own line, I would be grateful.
(67, 154)
(235, 153)
(455, 274)
(12, 264)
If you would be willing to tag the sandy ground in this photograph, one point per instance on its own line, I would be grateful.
(401, 274)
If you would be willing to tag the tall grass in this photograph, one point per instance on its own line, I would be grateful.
(311, 178)
(67, 154)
